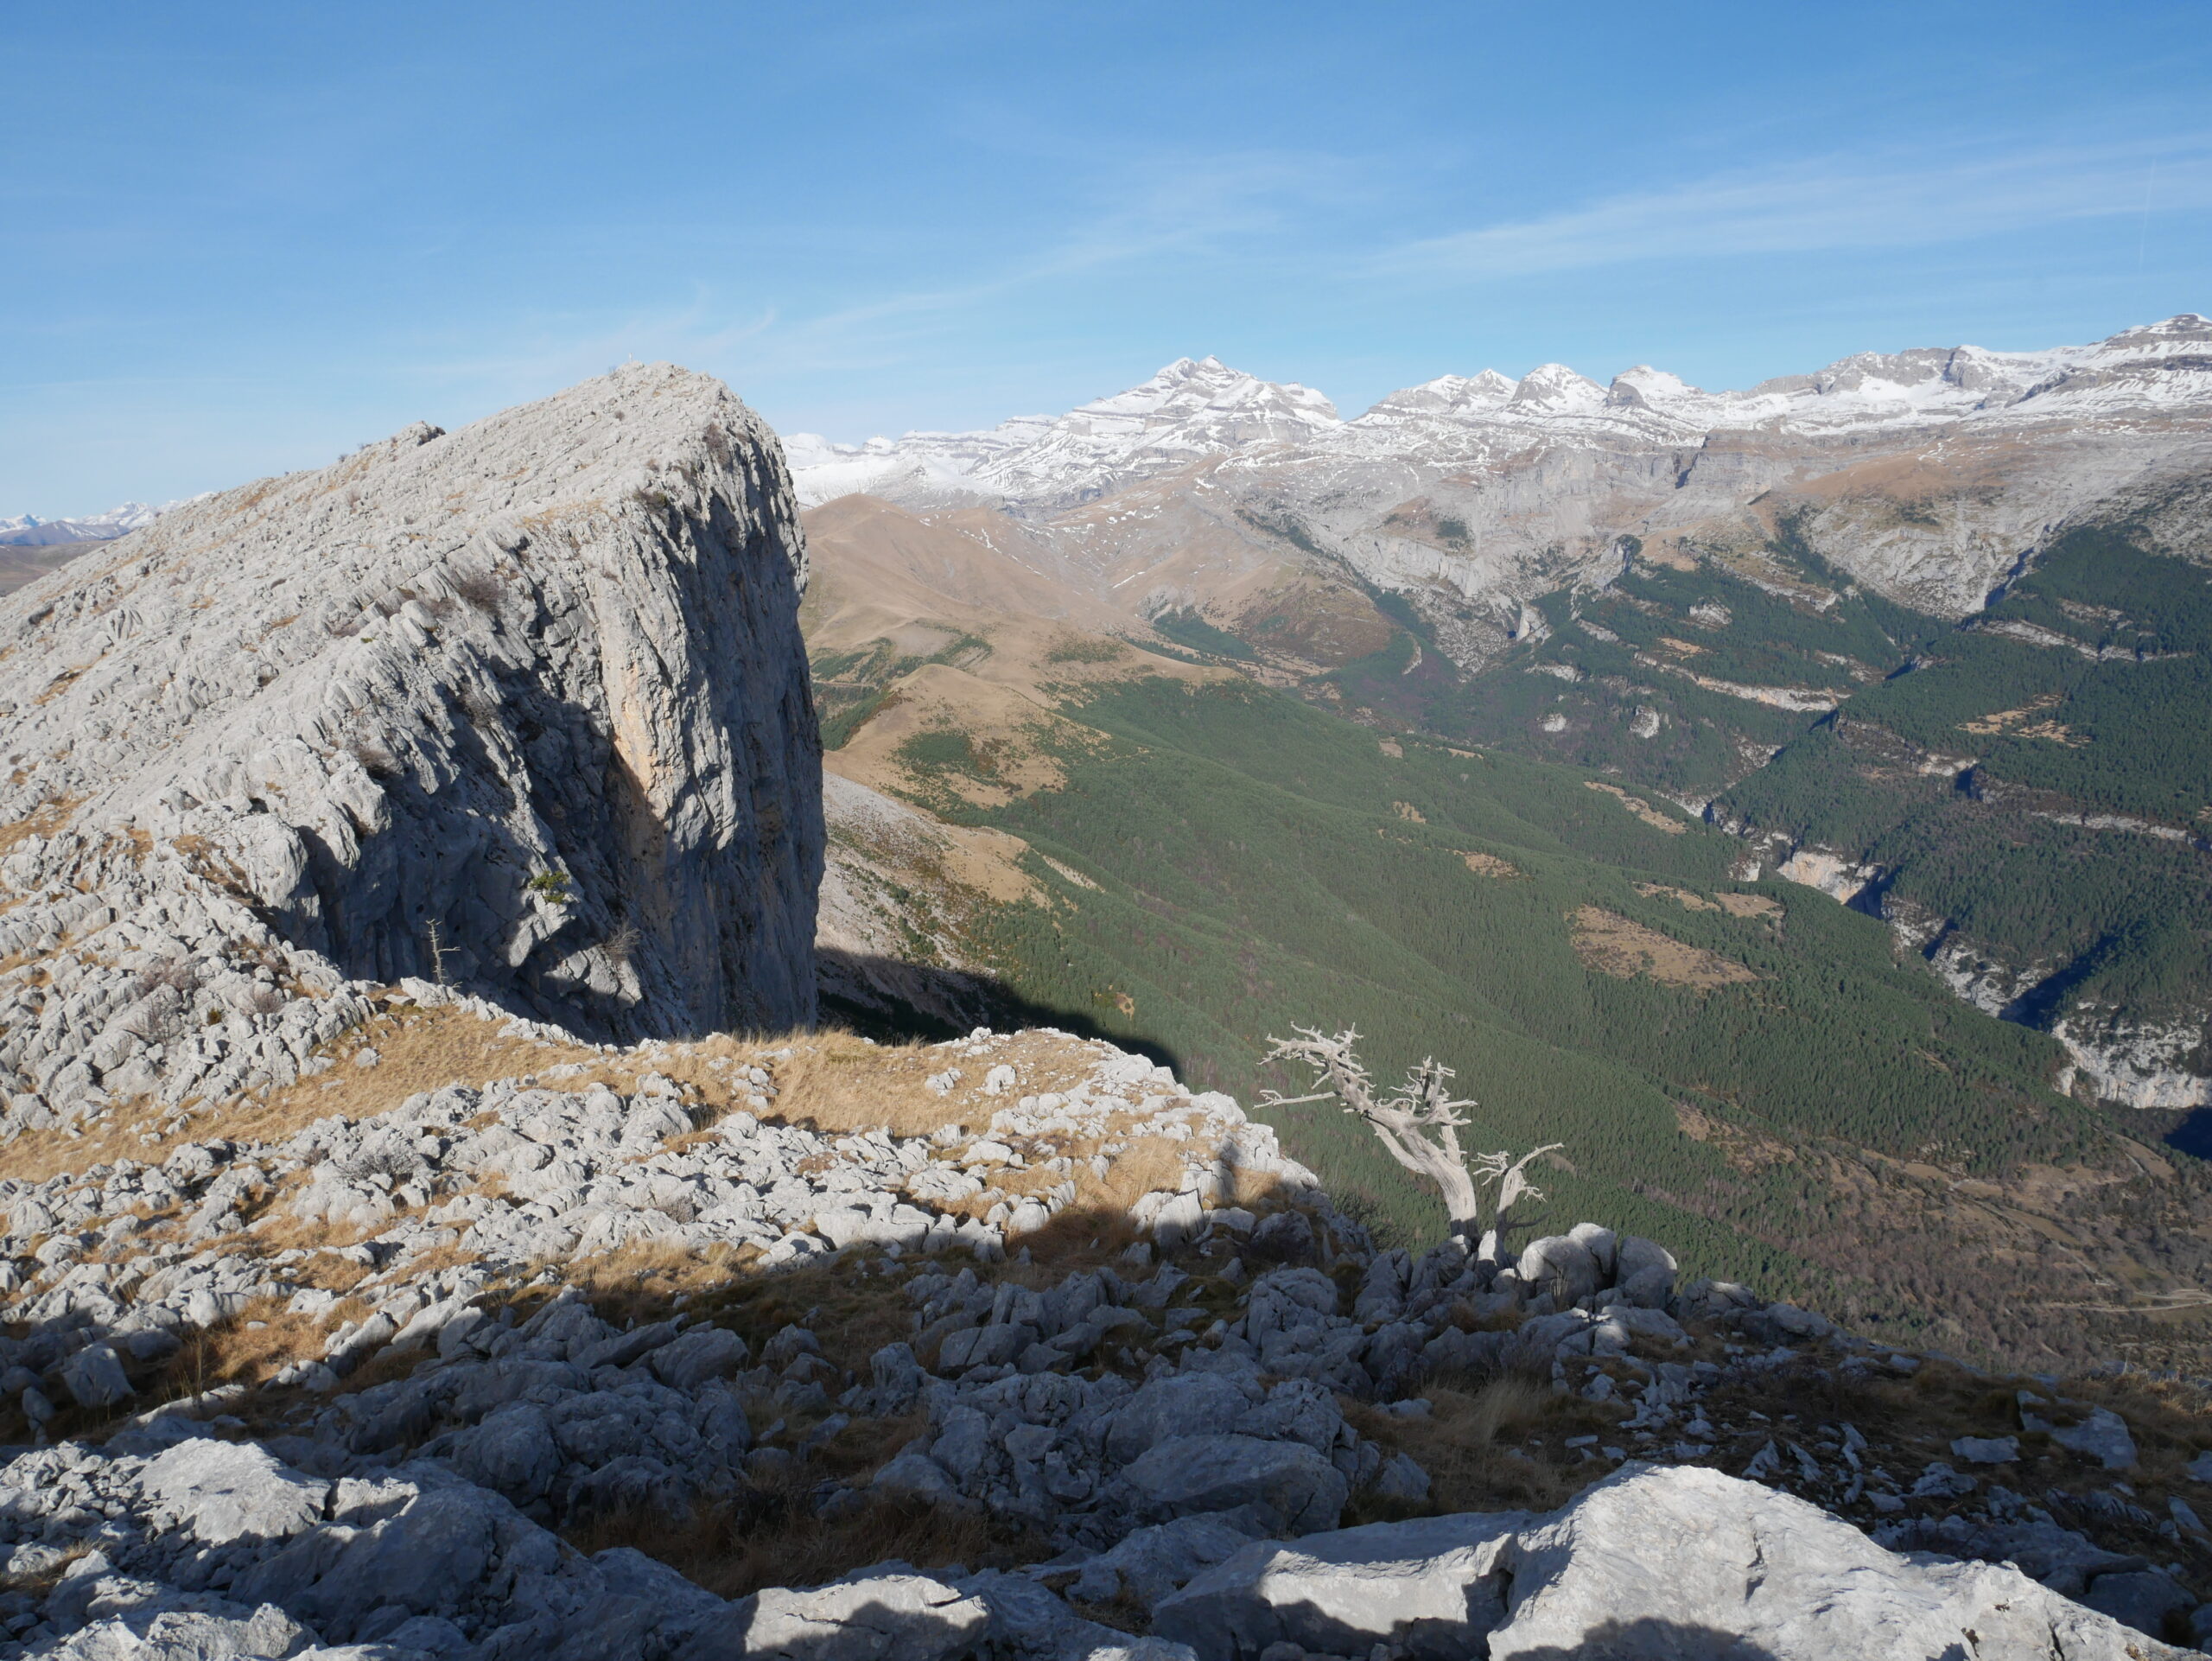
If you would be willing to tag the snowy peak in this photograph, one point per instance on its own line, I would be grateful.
(1207, 394)
(30, 531)
(1196, 409)
(1644, 387)
(2183, 329)
(1447, 396)
(1556, 389)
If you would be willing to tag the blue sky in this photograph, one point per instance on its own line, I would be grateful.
(245, 237)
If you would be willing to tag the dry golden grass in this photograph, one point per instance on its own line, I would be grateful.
(447, 1254)
(420, 1050)
(835, 1082)
(1612, 945)
(248, 1349)
(42, 821)
(839, 1082)
(644, 1280)
(1642, 809)
(1681, 897)
(1148, 1165)
(417, 1050)
(1507, 1405)
(1748, 905)
(773, 1538)
(39, 1585)
(1476, 1446)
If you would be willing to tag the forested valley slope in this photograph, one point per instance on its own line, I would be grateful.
(1804, 822)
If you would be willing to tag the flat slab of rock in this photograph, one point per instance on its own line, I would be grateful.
(2102, 1436)
(1650, 1565)
(1289, 1485)
(885, 1617)
(224, 1490)
(1431, 1588)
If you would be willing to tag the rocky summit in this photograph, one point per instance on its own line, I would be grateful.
(522, 708)
(436, 1228)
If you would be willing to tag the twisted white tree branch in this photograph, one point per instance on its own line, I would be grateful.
(1419, 1127)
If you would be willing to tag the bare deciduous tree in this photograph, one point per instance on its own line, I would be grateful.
(1419, 1127)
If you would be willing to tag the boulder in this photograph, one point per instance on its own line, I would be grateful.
(622, 1348)
(1029, 1624)
(1688, 1562)
(1986, 1450)
(1620, 1324)
(1648, 1565)
(512, 1453)
(1149, 1563)
(703, 1353)
(1452, 1349)
(1541, 1340)
(1560, 1262)
(430, 1557)
(636, 1485)
(94, 1377)
(1638, 1255)
(1284, 1236)
(2102, 1436)
(1432, 1588)
(221, 1491)
(1291, 1488)
(155, 1633)
(1382, 1288)
(2062, 1559)
(1180, 1404)
(1603, 1245)
(874, 1616)
(916, 1474)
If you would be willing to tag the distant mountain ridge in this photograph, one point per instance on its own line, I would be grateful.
(1958, 595)
(28, 531)
(1191, 410)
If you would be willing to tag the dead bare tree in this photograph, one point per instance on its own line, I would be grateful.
(1419, 1128)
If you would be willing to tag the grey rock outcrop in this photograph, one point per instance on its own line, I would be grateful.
(1648, 1563)
(537, 684)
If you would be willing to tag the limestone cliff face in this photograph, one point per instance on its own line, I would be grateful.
(535, 688)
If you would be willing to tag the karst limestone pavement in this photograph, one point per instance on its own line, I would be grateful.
(1177, 1430)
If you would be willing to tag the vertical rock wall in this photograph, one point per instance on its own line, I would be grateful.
(533, 690)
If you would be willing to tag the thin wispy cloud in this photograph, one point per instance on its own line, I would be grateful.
(1154, 213)
(1172, 208)
(1147, 213)
(1887, 202)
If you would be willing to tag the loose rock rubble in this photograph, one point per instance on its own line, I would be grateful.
(1153, 1425)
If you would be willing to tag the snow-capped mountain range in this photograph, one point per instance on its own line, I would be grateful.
(1193, 410)
(1189, 410)
(29, 531)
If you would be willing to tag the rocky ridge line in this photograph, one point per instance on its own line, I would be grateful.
(529, 698)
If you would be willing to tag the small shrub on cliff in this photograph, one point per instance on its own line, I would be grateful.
(550, 885)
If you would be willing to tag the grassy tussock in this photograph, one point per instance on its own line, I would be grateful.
(1474, 1447)
(774, 1538)
(841, 1082)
